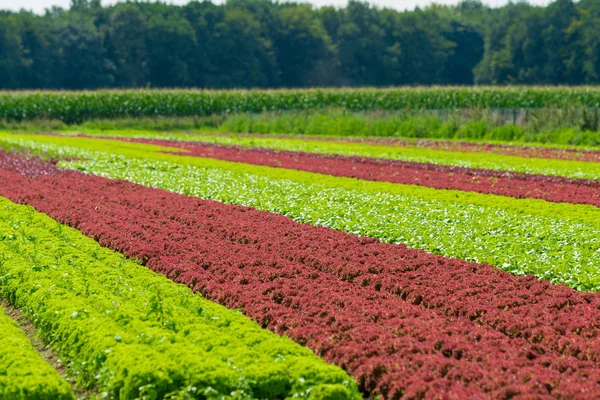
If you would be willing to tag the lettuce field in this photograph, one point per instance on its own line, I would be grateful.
(142, 264)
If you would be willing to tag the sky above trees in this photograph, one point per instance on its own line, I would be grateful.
(41, 5)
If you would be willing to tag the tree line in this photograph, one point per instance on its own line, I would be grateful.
(265, 43)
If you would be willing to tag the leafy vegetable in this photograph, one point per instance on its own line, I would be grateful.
(557, 242)
(134, 333)
(23, 373)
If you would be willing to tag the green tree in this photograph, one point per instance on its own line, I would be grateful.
(302, 47)
(243, 55)
(268, 43)
(81, 55)
(170, 46)
(127, 37)
(12, 54)
(360, 44)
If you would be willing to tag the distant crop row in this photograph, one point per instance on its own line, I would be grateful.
(130, 333)
(547, 151)
(399, 319)
(498, 162)
(554, 166)
(517, 185)
(557, 242)
(560, 248)
(74, 107)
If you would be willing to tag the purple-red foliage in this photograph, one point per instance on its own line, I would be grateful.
(402, 321)
(519, 185)
(30, 167)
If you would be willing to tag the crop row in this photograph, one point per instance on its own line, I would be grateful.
(132, 333)
(555, 189)
(80, 106)
(519, 150)
(497, 162)
(94, 151)
(404, 322)
(25, 375)
(524, 150)
(557, 242)
(450, 156)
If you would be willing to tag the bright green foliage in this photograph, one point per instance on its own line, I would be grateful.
(23, 373)
(557, 242)
(136, 334)
(73, 107)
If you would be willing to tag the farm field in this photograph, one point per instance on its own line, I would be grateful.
(146, 264)
(78, 106)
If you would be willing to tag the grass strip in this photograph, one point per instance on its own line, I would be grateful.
(136, 334)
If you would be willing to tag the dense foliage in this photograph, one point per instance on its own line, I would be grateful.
(78, 106)
(402, 321)
(262, 43)
(566, 123)
(557, 242)
(497, 162)
(513, 184)
(130, 333)
(25, 375)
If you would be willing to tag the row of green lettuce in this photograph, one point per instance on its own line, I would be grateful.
(498, 162)
(23, 372)
(557, 242)
(130, 333)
